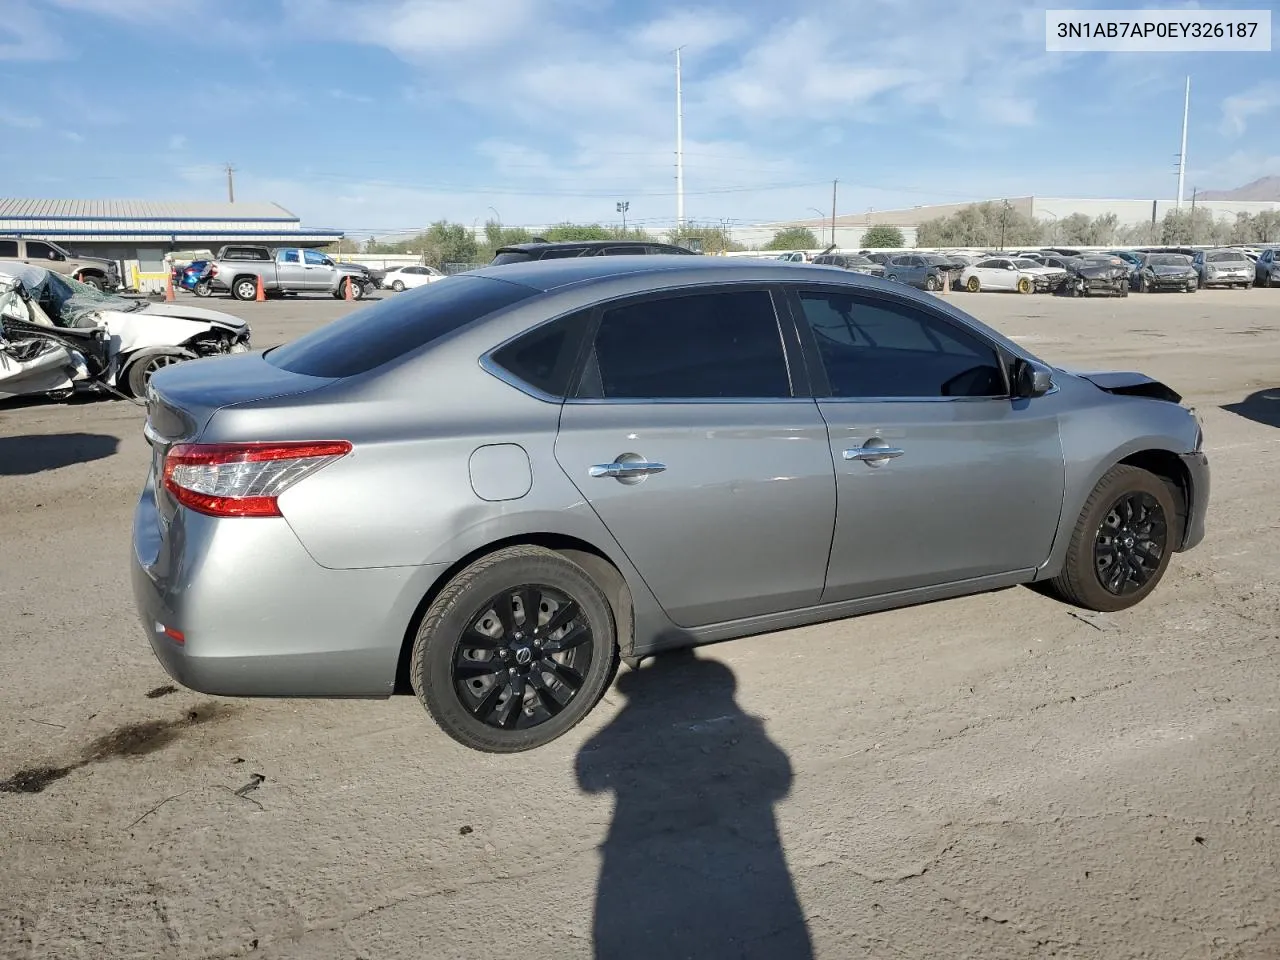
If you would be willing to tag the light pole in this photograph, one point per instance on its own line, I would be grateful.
(623, 206)
(821, 217)
(1053, 232)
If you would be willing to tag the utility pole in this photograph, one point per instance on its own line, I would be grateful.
(623, 207)
(231, 184)
(1182, 157)
(1191, 228)
(1004, 217)
(833, 211)
(679, 146)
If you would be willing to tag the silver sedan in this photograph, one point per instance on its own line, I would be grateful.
(498, 485)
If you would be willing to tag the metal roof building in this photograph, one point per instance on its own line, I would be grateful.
(121, 228)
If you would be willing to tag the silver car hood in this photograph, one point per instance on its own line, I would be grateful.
(182, 311)
(1127, 383)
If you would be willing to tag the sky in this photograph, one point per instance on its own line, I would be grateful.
(378, 116)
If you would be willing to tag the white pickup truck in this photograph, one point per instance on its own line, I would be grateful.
(240, 268)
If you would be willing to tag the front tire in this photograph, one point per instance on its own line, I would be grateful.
(514, 651)
(973, 285)
(94, 281)
(931, 283)
(1121, 544)
(1025, 285)
(139, 373)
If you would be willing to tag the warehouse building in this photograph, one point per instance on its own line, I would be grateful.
(849, 228)
(140, 233)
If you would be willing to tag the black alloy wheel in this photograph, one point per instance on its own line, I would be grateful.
(1130, 543)
(515, 650)
(523, 657)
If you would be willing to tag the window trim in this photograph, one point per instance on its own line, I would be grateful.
(490, 365)
(818, 373)
(792, 351)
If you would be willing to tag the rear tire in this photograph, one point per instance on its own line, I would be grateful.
(398, 286)
(1104, 527)
(482, 611)
(203, 288)
(245, 288)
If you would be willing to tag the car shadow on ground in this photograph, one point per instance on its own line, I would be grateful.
(35, 453)
(693, 865)
(1262, 406)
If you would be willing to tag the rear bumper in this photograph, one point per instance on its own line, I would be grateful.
(1197, 465)
(258, 616)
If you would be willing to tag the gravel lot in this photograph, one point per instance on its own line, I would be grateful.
(990, 777)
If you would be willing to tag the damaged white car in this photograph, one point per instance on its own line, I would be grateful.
(58, 335)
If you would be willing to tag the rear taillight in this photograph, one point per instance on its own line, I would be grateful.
(213, 271)
(243, 479)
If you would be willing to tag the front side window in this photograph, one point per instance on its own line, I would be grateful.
(707, 346)
(39, 250)
(873, 348)
(314, 258)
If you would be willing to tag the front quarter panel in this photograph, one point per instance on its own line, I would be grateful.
(1098, 431)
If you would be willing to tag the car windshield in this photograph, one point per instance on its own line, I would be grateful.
(510, 256)
(1225, 256)
(856, 261)
(70, 300)
(1168, 260)
(1025, 264)
(934, 259)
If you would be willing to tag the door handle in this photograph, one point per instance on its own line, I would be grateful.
(873, 454)
(629, 468)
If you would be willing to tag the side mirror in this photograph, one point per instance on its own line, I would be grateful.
(1031, 380)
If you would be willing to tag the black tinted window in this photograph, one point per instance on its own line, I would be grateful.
(877, 348)
(37, 250)
(391, 328)
(560, 253)
(705, 346)
(544, 357)
(8, 248)
(511, 256)
(634, 250)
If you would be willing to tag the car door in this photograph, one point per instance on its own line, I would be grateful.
(708, 467)
(290, 271)
(941, 476)
(319, 271)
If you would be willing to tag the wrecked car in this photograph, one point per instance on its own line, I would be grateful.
(1091, 276)
(58, 335)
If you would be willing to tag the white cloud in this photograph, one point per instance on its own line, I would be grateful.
(24, 35)
(1239, 109)
(692, 29)
(22, 121)
(72, 137)
(415, 29)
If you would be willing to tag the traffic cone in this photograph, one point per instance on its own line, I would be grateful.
(346, 289)
(168, 289)
(261, 295)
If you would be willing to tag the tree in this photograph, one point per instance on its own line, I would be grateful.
(883, 236)
(981, 225)
(793, 238)
(446, 242)
(714, 237)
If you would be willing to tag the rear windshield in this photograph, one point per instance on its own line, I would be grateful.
(368, 338)
(512, 256)
(1225, 256)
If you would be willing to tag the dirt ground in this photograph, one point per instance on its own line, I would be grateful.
(992, 777)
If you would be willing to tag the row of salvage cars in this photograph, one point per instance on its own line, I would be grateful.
(1061, 271)
(59, 336)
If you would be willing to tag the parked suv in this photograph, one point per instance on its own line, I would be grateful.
(547, 250)
(95, 271)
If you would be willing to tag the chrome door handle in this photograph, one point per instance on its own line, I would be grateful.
(630, 468)
(873, 453)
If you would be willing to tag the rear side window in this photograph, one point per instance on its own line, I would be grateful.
(8, 248)
(561, 253)
(704, 346)
(544, 357)
(368, 338)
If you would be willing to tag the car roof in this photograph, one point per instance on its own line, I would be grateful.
(548, 275)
